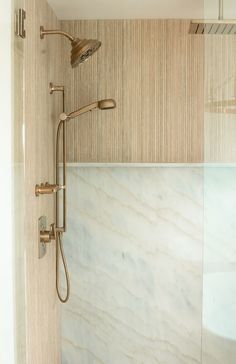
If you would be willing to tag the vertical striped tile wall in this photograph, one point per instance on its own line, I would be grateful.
(155, 71)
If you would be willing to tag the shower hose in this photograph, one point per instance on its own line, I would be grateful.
(59, 242)
(60, 250)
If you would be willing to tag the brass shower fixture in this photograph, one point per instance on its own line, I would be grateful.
(105, 104)
(56, 230)
(81, 49)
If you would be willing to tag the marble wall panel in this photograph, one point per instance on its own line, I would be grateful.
(134, 248)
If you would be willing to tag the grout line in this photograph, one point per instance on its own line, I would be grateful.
(152, 165)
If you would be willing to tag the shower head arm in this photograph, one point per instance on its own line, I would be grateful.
(80, 111)
(44, 32)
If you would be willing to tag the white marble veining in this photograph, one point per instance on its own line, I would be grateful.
(134, 248)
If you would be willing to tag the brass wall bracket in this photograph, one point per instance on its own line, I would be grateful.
(20, 23)
(42, 249)
(47, 188)
(54, 88)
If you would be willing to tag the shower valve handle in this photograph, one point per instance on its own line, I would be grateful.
(46, 236)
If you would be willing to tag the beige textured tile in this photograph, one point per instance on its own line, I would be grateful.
(154, 69)
(41, 67)
(110, 78)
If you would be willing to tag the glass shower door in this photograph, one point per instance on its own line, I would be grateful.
(19, 212)
(219, 268)
(219, 254)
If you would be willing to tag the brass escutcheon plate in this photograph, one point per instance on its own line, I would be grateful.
(42, 249)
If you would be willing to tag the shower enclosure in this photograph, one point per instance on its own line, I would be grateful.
(150, 186)
(150, 246)
(135, 254)
(151, 255)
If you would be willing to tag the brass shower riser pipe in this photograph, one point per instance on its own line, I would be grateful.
(46, 188)
(62, 126)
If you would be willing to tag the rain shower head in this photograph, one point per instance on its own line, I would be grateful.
(81, 49)
(220, 26)
(105, 104)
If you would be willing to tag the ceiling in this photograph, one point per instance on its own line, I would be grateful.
(126, 9)
(132, 9)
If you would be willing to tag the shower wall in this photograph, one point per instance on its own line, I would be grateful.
(134, 248)
(41, 61)
(155, 71)
(163, 80)
(152, 259)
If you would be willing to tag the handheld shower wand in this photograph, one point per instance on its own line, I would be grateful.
(105, 104)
